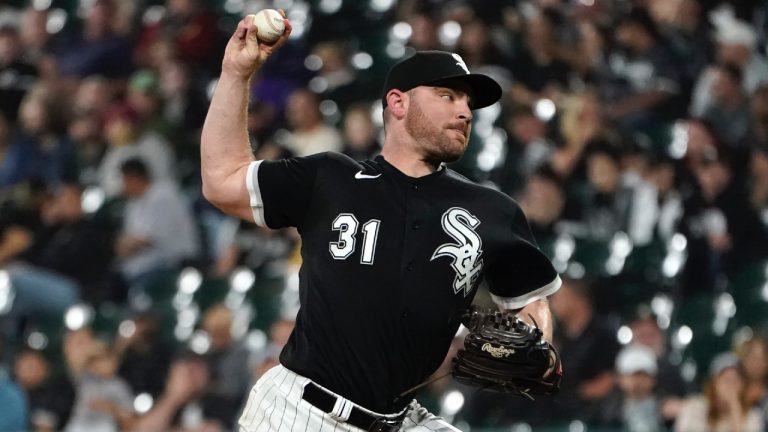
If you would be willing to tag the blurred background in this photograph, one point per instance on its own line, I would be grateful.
(634, 134)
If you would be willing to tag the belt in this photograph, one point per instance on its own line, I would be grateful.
(344, 411)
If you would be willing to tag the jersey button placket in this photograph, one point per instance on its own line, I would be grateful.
(414, 225)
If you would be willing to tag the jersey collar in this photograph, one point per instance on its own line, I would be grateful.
(391, 170)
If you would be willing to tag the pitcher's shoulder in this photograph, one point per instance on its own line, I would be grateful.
(482, 191)
(338, 163)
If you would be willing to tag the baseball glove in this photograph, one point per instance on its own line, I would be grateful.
(502, 353)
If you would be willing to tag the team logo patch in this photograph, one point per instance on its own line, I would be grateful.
(466, 252)
(460, 62)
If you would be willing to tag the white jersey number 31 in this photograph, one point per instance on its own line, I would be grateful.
(346, 224)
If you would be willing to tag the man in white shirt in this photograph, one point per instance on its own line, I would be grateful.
(158, 228)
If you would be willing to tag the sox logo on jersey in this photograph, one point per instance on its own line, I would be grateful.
(466, 252)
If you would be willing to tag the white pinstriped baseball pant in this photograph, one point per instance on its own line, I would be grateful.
(275, 405)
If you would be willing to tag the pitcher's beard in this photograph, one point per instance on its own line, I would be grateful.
(435, 145)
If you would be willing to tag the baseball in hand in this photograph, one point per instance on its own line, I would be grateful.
(270, 25)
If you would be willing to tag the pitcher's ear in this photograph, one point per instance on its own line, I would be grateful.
(397, 102)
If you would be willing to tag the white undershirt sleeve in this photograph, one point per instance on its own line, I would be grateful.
(257, 203)
(528, 298)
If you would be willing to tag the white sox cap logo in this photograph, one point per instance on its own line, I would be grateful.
(460, 62)
(466, 253)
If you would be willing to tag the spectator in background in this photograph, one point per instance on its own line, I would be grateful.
(682, 23)
(635, 162)
(309, 134)
(644, 76)
(19, 219)
(37, 291)
(736, 44)
(35, 37)
(72, 246)
(37, 151)
(530, 147)
(728, 111)
(634, 407)
(160, 53)
(269, 357)
(126, 140)
(757, 142)
(758, 134)
(537, 70)
(262, 121)
(424, 27)
(228, 365)
(724, 233)
(76, 347)
(95, 50)
(179, 407)
(336, 77)
(5, 137)
(183, 111)
(158, 231)
(8, 14)
(185, 102)
(104, 401)
(14, 409)
(753, 356)
(671, 388)
(721, 407)
(590, 48)
(94, 93)
(50, 397)
(254, 247)
(603, 207)
(360, 135)
(581, 122)
(758, 182)
(144, 356)
(590, 347)
(85, 131)
(144, 98)
(701, 145)
(656, 203)
(18, 75)
(542, 201)
(478, 49)
(189, 27)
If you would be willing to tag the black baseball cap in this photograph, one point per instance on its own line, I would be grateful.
(438, 67)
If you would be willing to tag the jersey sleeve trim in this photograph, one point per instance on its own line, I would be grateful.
(257, 203)
(528, 298)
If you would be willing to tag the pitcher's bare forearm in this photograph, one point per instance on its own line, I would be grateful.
(225, 152)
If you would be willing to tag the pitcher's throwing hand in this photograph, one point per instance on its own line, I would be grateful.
(245, 52)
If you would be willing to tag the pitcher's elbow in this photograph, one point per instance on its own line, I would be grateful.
(210, 193)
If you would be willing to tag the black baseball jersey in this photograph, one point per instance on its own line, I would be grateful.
(390, 262)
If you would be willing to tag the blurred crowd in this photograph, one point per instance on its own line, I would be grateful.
(633, 133)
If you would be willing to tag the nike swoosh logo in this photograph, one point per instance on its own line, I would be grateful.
(360, 175)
